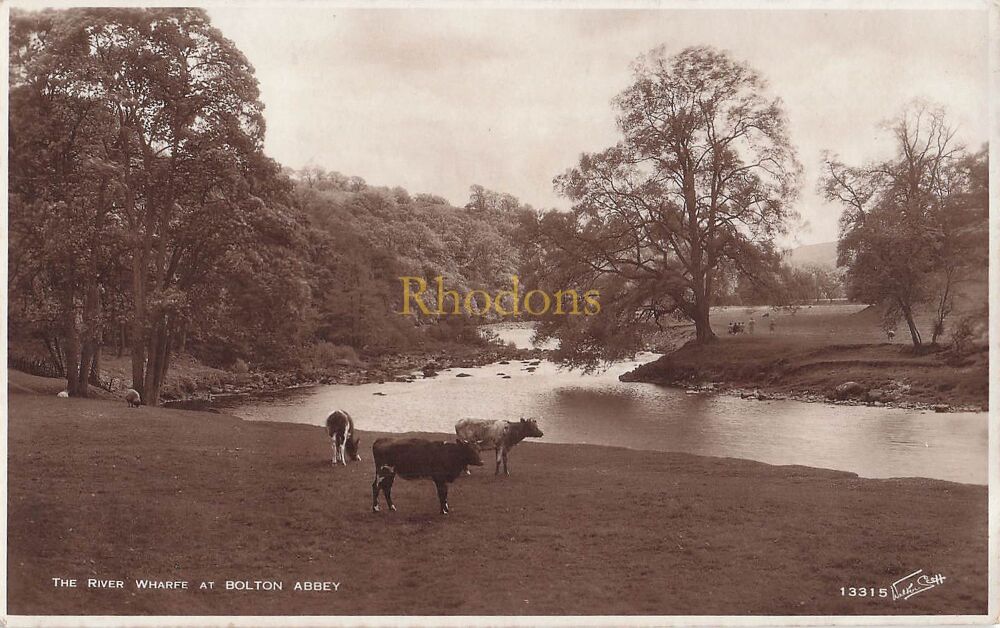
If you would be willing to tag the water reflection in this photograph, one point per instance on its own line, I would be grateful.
(599, 409)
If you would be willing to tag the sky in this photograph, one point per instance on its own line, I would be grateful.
(436, 100)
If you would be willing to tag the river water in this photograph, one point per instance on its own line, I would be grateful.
(598, 409)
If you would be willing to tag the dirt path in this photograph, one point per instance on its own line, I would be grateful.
(98, 490)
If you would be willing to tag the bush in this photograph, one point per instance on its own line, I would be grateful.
(962, 336)
(323, 355)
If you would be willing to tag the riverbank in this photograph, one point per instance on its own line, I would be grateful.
(769, 367)
(190, 380)
(99, 490)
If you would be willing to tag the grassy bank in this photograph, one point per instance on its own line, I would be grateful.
(100, 490)
(812, 352)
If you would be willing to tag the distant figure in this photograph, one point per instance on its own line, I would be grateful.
(133, 398)
(732, 328)
(771, 325)
(750, 326)
(891, 334)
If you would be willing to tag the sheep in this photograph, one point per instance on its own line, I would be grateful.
(133, 398)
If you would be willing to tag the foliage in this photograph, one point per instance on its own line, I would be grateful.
(700, 183)
(137, 179)
(913, 224)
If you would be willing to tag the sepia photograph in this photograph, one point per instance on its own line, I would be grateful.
(517, 313)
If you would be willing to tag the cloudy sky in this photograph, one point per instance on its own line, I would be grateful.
(437, 100)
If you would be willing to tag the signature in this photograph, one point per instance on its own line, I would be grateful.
(917, 582)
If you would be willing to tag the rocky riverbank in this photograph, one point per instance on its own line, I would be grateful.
(379, 369)
(862, 374)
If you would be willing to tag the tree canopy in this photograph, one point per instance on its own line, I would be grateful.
(912, 223)
(701, 180)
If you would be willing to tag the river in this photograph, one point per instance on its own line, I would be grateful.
(598, 409)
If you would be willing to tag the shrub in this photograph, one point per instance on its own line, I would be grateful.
(962, 336)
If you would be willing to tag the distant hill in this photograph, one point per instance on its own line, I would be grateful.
(823, 255)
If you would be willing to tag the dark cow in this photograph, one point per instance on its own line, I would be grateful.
(500, 436)
(414, 458)
(343, 439)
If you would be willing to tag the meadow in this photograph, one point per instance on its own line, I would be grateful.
(98, 490)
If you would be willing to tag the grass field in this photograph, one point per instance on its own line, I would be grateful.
(98, 490)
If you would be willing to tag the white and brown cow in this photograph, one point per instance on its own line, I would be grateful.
(343, 440)
(500, 436)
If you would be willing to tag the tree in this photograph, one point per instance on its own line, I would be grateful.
(702, 177)
(910, 223)
(62, 198)
(165, 152)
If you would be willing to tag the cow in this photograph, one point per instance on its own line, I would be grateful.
(890, 334)
(343, 439)
(414, 458)
(133, 398)
(500, 436)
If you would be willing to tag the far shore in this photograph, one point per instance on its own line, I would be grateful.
(826, 354)
(97, 489)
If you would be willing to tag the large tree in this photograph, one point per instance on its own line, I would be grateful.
(912, 224)
(702, 178)
(165, 131)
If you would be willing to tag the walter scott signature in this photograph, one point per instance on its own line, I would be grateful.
(917, 582)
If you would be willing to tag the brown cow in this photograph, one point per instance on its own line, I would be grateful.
(414, 458)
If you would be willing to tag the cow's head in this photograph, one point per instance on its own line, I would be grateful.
(351, 446)
(470, 453)
(530, 427)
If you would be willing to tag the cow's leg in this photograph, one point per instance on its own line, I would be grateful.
(387, 490)
(499, 459)
(343, 451)
(376, 487)
(333, 447)
(506, 470)
(442, 488)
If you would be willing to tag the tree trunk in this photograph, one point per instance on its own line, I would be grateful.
(944, 308)
(702, 325)
(83, 372)
(702, 309)
(157, 363)
(73, 349)
(912, 325)
(91, 328)
(56, 353)
(150, 392)
(95, 365)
